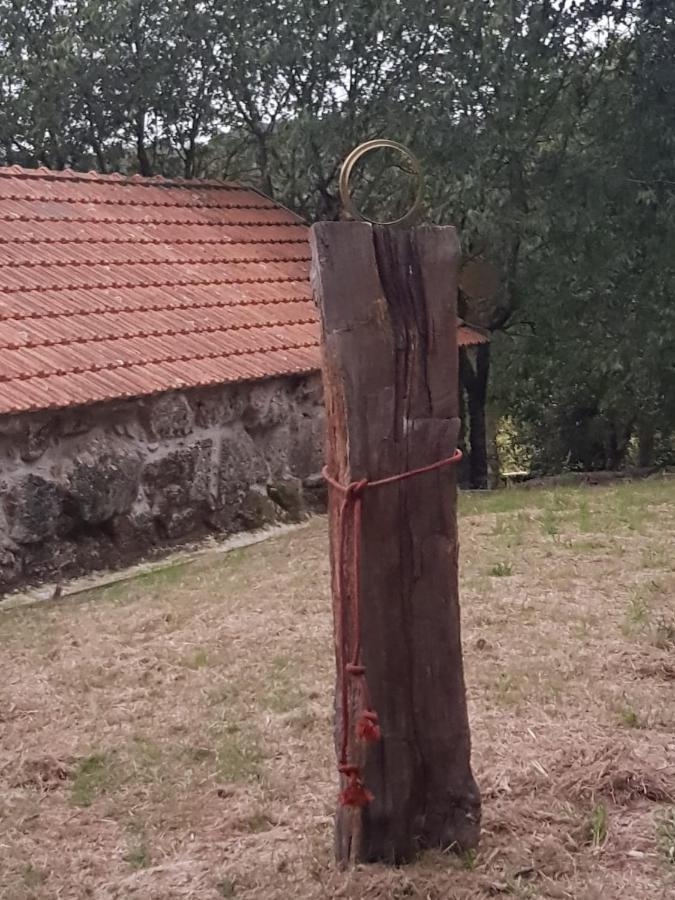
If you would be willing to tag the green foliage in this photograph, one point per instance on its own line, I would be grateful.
(629, 717)
(546, 130)
(549, 523)
(281, 694)
(664, 637)
(665, 835)
(138, 856)
(594, 368)
(469, 859)
(93, 776)
(637, 612)
(238, 756)
(598, 825)
(32, 876)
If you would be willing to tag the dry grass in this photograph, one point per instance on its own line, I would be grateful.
(170, 737)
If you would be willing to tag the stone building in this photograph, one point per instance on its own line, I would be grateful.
(158, 368)
(158, 357)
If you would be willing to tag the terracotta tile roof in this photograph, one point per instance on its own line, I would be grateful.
(470, 335)
(118, 287)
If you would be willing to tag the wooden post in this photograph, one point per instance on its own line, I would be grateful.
(387, 301)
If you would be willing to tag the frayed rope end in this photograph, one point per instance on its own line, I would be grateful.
(355, 793)
(368, 726)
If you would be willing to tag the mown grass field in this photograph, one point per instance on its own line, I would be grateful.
(170, 737)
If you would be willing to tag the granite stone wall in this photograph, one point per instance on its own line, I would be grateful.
(102, 486)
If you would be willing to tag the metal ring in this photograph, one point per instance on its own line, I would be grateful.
(355, 156)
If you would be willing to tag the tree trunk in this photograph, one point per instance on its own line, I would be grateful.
(493, 460)
(617, 442)
(475, 379)
(100, 157)
(646, 436)
(144, 164)
(190, 161)
(463, 474)
(386, 300)
(58, 157)
(262, 159)
(189, 164)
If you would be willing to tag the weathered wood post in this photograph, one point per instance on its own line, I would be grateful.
(387, 302)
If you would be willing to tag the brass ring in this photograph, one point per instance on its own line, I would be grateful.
(355, 156)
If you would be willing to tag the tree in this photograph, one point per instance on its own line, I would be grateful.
(40, 118)
(598, 370)
(513, 108)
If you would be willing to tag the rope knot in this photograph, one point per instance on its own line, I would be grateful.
(356, 671)
(355, 489)
(368, 726)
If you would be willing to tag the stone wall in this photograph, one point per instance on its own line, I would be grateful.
(101, 486)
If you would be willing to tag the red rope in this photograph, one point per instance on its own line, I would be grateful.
(354, 791)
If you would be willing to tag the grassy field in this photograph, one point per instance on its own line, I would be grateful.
(170, 737)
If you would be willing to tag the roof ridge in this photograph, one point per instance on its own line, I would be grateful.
(68, 174)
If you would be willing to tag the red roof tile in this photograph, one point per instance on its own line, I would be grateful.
(469, 335)
(118, 287)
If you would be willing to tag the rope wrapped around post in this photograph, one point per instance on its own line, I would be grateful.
(354, 791)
